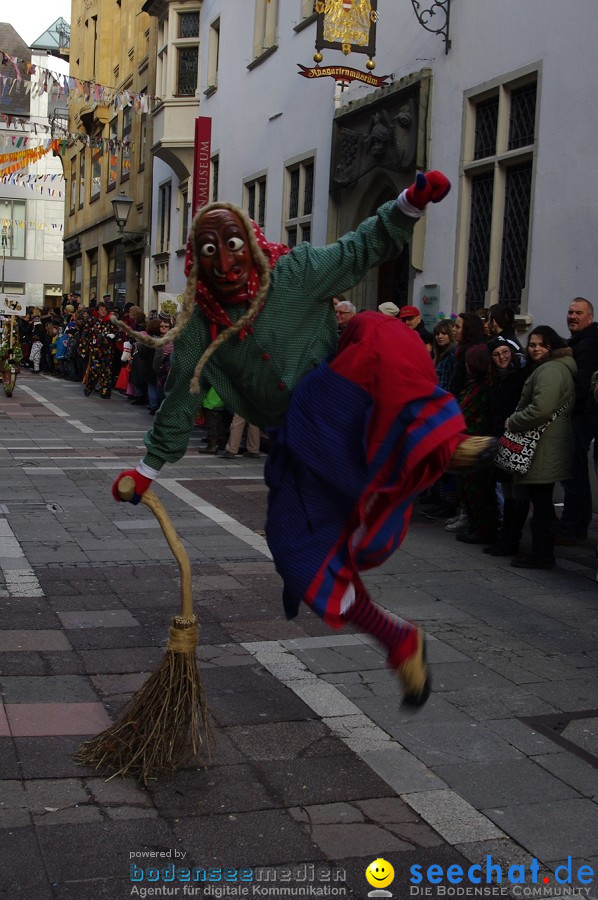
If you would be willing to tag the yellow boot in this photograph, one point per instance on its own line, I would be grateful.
(414, 674)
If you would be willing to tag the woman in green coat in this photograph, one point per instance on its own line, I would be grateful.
(549, 388)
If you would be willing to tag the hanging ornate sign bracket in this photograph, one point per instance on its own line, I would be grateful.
(427, 10)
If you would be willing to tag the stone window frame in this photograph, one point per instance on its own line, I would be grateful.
(499, 164)
(265, 31)
(301, 221)
(254, 196)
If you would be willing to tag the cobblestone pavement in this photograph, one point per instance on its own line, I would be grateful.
(316, 771)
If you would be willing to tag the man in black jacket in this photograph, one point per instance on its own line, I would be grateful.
(411, 316)
(577, 511)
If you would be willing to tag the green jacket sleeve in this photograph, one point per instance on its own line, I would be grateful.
(337, 267)
(168, 439)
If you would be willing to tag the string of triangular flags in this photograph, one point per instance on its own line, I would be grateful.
(11, 121)
(32, 226)
(50, 185)
(32, 153)
(24, 158)
(66, 86)
(102, 144)
(37, 179)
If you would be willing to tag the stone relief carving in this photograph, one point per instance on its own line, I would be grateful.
(386, 137)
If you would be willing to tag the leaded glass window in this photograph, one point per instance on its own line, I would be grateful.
(299, 202)
(187, 71)
(499, 157)
(294, 193)
(478, 259)
(522, 121)
(255, 199)
(515, 233)
(486, 124)
(189, 24)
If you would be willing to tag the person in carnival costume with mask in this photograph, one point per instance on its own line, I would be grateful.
(355, 443)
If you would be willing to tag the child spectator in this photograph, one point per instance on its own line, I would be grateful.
(60, 354)
(54, 335)
(35, 353)
(217, 421)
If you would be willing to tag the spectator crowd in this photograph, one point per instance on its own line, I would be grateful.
(477, 356)
(501, 386)
(84, 344)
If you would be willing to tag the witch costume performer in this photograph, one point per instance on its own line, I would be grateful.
(359, 433)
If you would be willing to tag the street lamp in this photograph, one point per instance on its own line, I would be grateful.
(121, 206)
(130, 241)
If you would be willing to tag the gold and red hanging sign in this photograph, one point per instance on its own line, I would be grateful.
(347, 25)
(344, 73)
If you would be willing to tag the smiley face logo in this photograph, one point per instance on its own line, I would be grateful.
(380, 873)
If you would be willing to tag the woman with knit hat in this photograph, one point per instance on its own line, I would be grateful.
(256, 324)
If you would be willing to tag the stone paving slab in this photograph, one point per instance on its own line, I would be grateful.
(284, 740)
(49, 756)
(503, 783)
(9, 761)
(24, 641)
(523, 737)
(270, 836)
(198, 793)
(112, 618)
(22, 864)
(572, 694)
(402, 771)
(571, 770)
(253, 699)
(46, 689)
(99, 638)
(506, 702)
(35, 719)
(41, 663)
(97, 849)
(347, 658)
(328, 779)
(452, 742)
(545, 829)
(455, 819)
(121, 661)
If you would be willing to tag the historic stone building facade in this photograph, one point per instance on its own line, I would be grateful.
(112, 69)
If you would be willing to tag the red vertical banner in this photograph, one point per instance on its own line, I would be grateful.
(201, 163)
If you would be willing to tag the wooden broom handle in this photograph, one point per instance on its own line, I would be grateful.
(126, 489)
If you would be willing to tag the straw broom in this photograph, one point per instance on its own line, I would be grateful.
(162, 724)
(475, 452)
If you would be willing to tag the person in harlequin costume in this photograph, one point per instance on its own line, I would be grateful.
(97, 345)
(360, 433)
(11, 355)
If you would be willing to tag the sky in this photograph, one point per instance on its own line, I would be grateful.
(30, 18)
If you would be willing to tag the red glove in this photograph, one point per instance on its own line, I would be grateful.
(429, 188)
(141, 485)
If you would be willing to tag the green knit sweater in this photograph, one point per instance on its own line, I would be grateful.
(293, 333)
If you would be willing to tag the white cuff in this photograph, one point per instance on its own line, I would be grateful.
(147, 471)
(407, 209)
